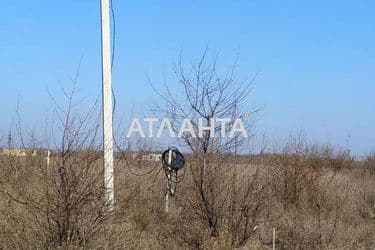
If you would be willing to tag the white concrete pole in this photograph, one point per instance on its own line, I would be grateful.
(107, 103)
(48, 158)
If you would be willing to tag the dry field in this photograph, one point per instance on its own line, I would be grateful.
(315, 199)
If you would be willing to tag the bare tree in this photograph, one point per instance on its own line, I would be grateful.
(59, 203)
(203, 95)
(207, 94)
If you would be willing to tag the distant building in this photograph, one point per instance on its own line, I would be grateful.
(18, 152)
(147, 156)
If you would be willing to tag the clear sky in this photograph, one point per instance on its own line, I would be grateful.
(316, 58)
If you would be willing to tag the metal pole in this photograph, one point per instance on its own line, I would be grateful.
(107, 103)
(168, 181)
(273, 238)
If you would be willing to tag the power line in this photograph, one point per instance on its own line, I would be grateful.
(113, 51)
(113, 33)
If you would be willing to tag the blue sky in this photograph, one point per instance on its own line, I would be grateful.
(316, 58)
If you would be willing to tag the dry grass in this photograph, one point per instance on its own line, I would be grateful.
(313, 200)
(315, 197)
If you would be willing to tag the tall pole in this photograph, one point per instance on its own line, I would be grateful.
(107, 103)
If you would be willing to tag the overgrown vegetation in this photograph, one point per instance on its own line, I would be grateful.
(315, 197)
(311, 204)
